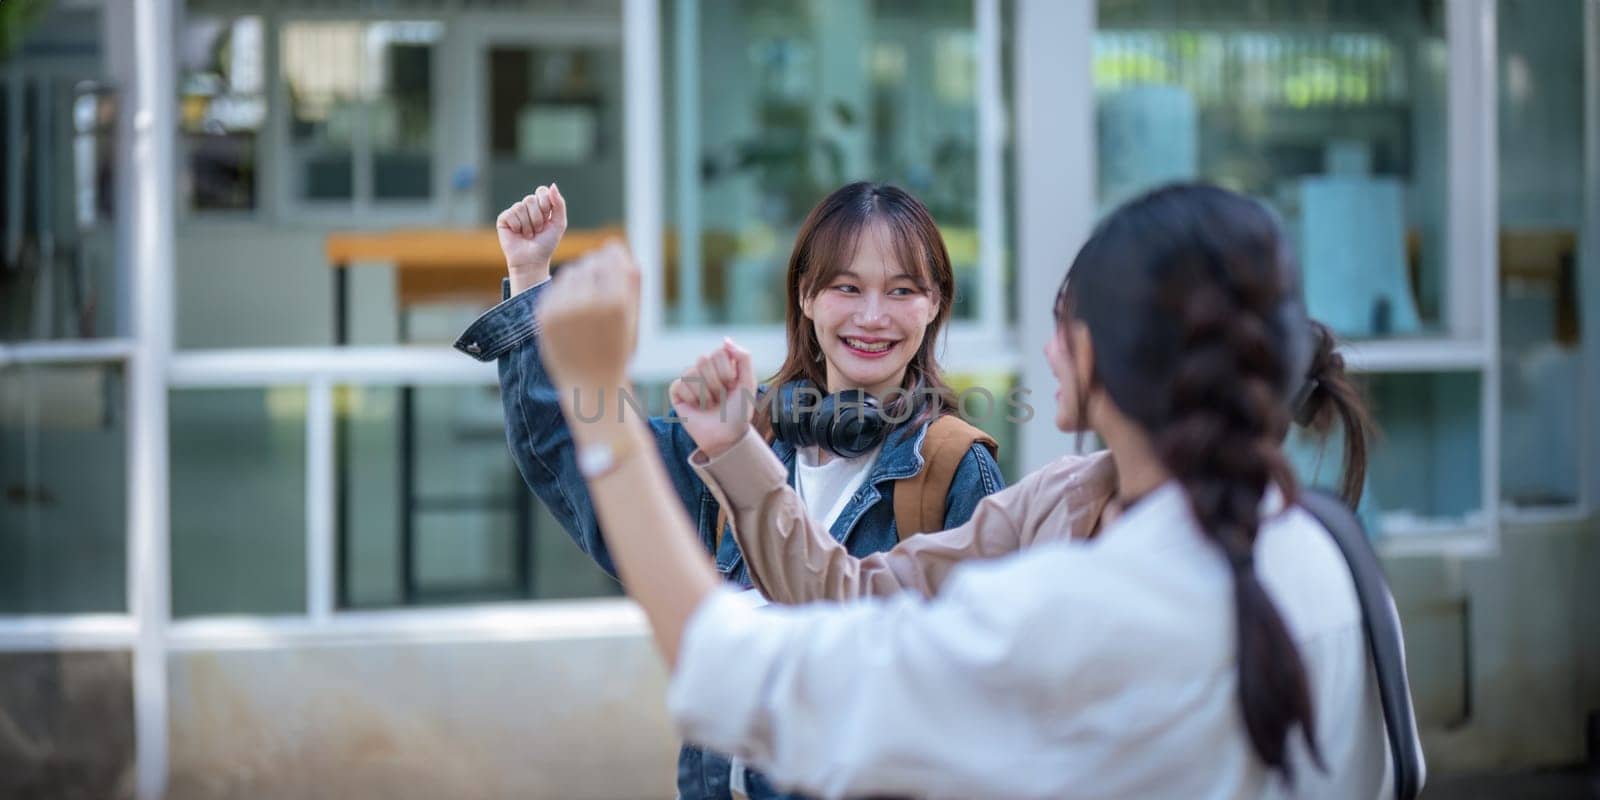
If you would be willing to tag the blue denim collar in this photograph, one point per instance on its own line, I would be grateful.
(901, 456)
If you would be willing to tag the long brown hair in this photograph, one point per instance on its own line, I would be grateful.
(1185, 292)
(825, 246)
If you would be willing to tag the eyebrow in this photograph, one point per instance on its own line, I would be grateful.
(850, 273)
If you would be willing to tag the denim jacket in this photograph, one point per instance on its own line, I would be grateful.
(542, 447)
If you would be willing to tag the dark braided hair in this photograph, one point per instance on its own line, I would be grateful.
(1199, 337)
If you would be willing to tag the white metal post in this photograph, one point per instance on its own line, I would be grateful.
(1055, 192)
(641, 92)
(1470, 74)
(991, 167)
(320, 499)
(1589, 261)
(686, 209)
(1474, 179)
(149, 128)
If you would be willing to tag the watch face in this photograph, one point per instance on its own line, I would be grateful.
(594, 459)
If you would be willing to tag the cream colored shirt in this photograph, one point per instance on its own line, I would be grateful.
(1097, 669)
(794, 559)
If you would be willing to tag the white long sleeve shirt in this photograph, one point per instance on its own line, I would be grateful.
(1104, 669)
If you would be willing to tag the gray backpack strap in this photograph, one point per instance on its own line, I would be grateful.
(1382, 624)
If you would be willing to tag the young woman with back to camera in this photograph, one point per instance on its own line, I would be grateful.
(1207, 643)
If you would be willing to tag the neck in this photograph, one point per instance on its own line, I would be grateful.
(1139, 470)
(838, 383)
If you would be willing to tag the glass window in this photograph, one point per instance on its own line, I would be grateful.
(796, 100)
(434, 510)
(322, 72)
(58, 226)
(222, 105)
(1424, 474)
(1331, 113)
(1541, 220)
(63, 499)
(238, 501)
(402, 109)
(555, 115)
(361, 109)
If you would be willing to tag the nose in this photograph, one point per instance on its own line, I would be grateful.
(870, 311)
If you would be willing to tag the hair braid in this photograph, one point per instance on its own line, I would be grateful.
(1226, 418)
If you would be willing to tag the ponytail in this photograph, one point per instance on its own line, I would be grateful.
(1331, 396)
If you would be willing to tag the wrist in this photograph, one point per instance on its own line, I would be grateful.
(716, 448)
(526, 276)
(605, 394)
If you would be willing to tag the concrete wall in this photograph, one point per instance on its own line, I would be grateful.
(1520, 695)
(579, 718)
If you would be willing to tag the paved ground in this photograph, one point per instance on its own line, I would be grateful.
(1577, 783)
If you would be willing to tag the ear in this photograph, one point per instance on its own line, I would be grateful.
(805, 307)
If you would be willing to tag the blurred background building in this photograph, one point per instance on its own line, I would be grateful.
(259, 532)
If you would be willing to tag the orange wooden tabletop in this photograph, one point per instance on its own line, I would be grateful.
(446, 247)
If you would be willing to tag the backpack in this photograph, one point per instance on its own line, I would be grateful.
(920, 499)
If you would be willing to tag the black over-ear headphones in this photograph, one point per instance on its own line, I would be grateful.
(847, 423)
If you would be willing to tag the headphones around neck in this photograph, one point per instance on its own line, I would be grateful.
(848, 423)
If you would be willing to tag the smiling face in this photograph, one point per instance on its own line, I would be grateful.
(871, 317)
(868, 288)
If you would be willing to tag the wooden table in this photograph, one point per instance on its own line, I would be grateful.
(432, 266)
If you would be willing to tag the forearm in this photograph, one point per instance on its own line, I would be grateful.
(793, 559)
(662, 565)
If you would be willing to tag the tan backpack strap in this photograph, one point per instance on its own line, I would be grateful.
(920, 500)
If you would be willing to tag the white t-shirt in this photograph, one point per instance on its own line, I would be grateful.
(1106, 669)
(826, 488)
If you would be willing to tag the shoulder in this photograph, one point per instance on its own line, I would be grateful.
(949, 429)
(955, 447)
(1092, 471)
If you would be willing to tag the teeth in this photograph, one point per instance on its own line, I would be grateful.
(870, 347)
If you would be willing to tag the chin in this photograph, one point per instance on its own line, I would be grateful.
(868, 380)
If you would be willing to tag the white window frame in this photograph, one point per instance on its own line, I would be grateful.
(987, 333)
(1589, 255)
(186, 214)
(362, 210)
(1588, 430)
(277, 162)
(1056, 140)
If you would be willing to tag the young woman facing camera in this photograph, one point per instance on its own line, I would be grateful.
(858, 415)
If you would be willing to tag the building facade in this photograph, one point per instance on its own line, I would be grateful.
(259, 532)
